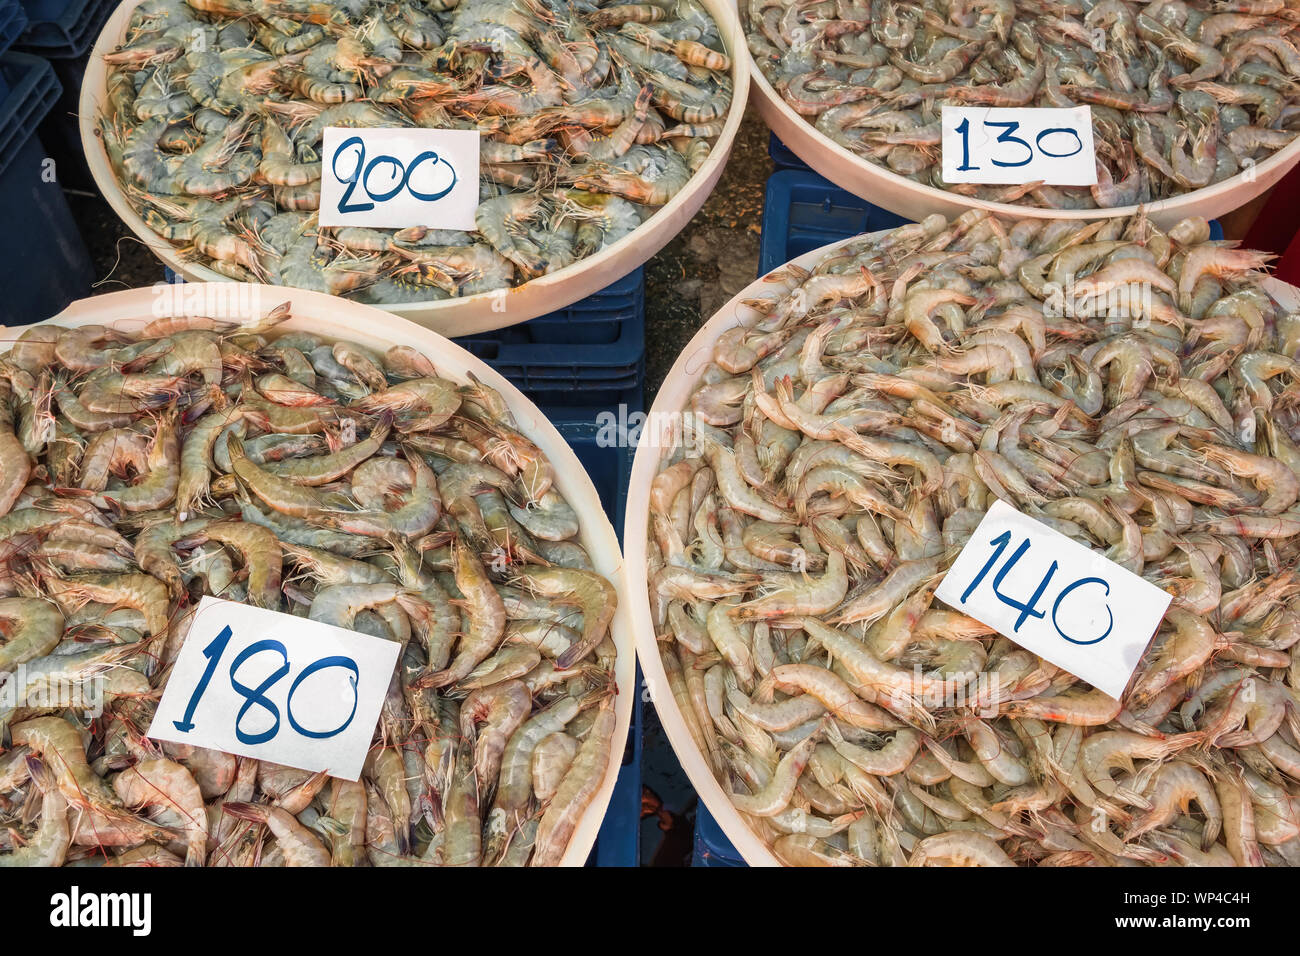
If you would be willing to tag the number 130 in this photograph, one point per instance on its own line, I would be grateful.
(1008, 135)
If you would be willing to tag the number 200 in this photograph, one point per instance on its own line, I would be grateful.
(360, 176)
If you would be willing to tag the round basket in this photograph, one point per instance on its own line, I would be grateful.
(663, 422)
(470, 314)
(366, 325)
(915, 201)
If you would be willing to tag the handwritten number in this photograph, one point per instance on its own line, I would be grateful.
(320, 665)
(964, 129)
(1061, 597)
(401, 178)
(353, 178)
(1007, 135)
(1010, 126)
(1038, 141)
(360, 176)
(432, 157)
(256, 695)
(1027, 609)
(1000, 545)
(216, 647)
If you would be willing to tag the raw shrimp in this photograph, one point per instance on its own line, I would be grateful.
(193, 482)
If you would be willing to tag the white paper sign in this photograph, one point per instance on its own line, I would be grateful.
(276, 687)
(1011, 146)
(394, 178)
(1054, 597)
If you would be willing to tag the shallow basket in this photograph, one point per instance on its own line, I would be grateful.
(914, 201)
(474, 313)
(325, 315)
(672, 398)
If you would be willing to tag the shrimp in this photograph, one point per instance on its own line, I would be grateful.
(176, 798)
(775, 796)
(280, 494)
(429, 402)
(31, 628)
(1104, 752)
(515, 780)
(161, 477)
(585, 590)
(831, 692)
(196, 455)
(299, 845)
(551, 759)
(1279, 482)
(500, 709)
(139, 592)
(577, 789)
(260, 550)
(487, 619)
(1174, 786)
(1173, 656)
(1090, 708)
(794, 593)
(323, 469)
(958, 848)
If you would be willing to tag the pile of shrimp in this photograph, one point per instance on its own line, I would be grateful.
(592, 115)
(141, 471)
(1133, 389)
(1184, 93)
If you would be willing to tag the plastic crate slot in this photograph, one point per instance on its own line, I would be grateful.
(590, 353)
(13, 20)
(65, 29)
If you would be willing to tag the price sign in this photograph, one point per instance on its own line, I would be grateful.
(276, 687)
(1006, 146)
(394, 178)
(1054, 597)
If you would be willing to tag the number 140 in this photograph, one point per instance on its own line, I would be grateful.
(1029, 608)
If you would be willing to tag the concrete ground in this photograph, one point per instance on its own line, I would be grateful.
(712, 259)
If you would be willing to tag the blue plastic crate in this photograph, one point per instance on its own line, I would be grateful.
(803, 211)
(64, 29)
(46, 248)
(783, 157)
(712, 848)
(13, 20)
(28, 89)
(618, 843)
(590, 354)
